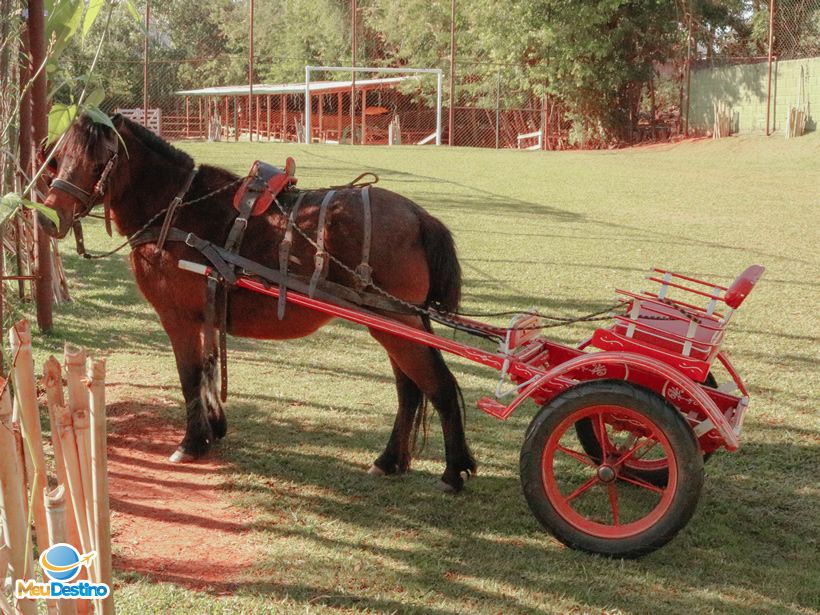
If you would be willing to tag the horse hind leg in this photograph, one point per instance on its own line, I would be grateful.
(398, 454)
(449, 402)
(428, 371)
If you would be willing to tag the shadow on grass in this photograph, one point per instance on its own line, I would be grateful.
(738, 542)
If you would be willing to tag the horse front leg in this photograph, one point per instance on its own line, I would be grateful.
(194, 371)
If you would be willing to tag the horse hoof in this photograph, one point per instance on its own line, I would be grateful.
(180, 456)
(447, 488)
(375, 471)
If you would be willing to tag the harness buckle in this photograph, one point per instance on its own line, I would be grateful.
(365, 274)
(284, 250)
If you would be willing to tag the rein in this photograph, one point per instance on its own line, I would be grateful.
(169, 212)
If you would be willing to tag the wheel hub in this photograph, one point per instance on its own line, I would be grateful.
(606, 473)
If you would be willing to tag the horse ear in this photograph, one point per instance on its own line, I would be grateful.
(116, 119)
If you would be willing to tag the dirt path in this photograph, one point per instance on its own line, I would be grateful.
(172, 522)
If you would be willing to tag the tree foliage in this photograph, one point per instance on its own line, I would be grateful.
(595, 56)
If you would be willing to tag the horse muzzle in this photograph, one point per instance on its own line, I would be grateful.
(63, 205)
(48, 225)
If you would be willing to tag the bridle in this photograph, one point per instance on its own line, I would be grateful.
(89, 199)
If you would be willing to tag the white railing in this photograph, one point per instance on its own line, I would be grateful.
(538, 135)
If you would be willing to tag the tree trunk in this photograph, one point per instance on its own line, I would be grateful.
(39, 116)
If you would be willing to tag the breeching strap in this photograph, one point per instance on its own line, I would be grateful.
(320, 259)
(284, 256)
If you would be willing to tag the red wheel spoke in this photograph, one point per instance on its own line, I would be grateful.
(640, 483)
(603, 439)
(613, 502)
(642, 445)
(576, 455)
(582, 488)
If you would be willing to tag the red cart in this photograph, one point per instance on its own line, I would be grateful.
(612, 463)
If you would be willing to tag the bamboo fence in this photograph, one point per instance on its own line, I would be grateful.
(73, 507)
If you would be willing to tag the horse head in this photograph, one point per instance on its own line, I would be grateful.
(79, 172)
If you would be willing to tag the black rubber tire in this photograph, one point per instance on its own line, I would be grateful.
(591, 446)
(673, 425)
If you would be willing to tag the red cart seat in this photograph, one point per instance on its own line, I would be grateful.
(683, 334)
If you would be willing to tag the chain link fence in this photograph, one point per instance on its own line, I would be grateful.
(495, 104)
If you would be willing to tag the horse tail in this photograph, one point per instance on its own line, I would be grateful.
(444, 294)
(442, 264)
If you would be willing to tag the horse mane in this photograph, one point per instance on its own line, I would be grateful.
(88, 135)
(157, 144)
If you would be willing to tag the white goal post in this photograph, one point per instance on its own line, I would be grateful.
(374, 69)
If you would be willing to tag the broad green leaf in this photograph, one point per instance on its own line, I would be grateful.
(66, 18)
(63, 24)
(9, 205)
(46, 211)
(91, 14)
(59, 119)
(97, 116)
(12, 201)
(101, 117)
(133, 10)
(95, 98)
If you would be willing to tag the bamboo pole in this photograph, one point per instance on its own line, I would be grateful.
(5, 558)
(22, 564)
(99, 468)
(56, 513)
(78, 406)
(22, 458)
(26, 392)
(53, 384)
(5, 554)
(68, 446)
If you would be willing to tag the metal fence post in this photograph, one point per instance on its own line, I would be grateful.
(769, 85)
(497, 110)
(307, 104)
(145, 65)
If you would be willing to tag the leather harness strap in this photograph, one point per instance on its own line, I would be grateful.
(172, 208)
(320, 259)
(284, 256)
(364, 270)
(226, 260)
(224, 264)
(240, 225)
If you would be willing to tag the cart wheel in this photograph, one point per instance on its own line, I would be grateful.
(650, 467)
(593, 504)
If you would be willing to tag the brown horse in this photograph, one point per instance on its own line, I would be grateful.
(413, 257)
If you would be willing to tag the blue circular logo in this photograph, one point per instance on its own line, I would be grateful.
(61, 562)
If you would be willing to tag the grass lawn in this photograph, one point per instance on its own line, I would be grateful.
(553, 230)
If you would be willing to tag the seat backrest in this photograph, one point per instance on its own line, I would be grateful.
(742, 286)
